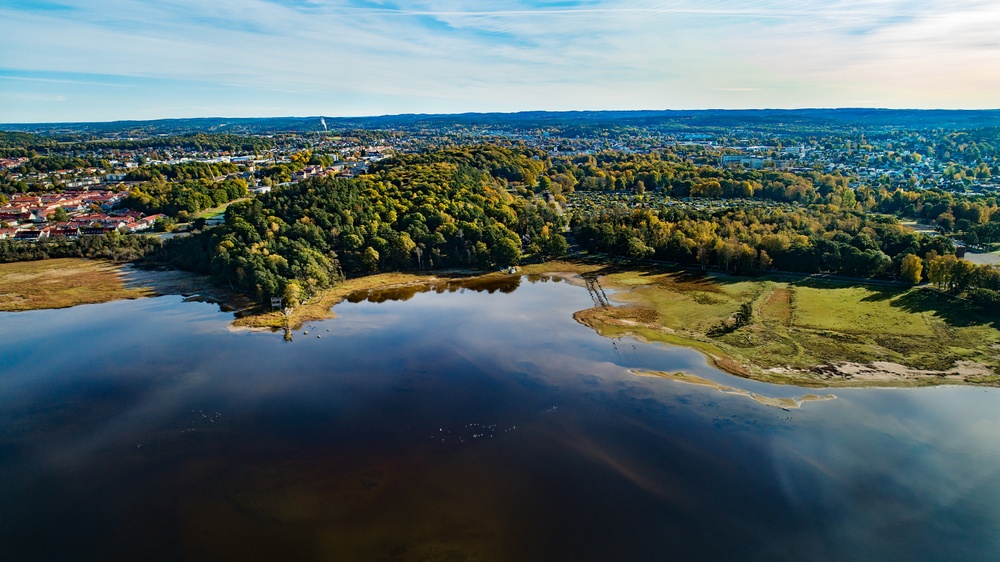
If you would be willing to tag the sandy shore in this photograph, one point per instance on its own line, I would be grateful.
(783, 403)
(885, 371)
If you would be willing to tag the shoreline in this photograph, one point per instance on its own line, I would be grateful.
(773, 402)
(629, 312)
(632, 313)
(321, 306)
(880, 374)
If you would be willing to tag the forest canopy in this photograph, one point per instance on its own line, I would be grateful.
(447, 209)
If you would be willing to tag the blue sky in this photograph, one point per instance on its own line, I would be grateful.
(83, 60)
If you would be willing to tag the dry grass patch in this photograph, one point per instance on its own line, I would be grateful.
(694, 311)
(61, 283)
(777, 308)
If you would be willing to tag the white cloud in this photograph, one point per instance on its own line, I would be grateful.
(439, 55)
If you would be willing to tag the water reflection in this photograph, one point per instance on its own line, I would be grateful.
(503, 284)
(459, 423)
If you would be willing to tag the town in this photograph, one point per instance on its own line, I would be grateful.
(59, 182)
(38, 204)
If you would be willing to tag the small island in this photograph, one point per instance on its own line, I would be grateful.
(783, 403)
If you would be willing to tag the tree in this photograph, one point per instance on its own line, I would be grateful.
(939, 270)
(911, 269)
(556, 246)
(507, 252)
(946, 221)
(369, 258)
(292, 294)
(59, 215)
(763, 261)
(638, 249)
(961, 275)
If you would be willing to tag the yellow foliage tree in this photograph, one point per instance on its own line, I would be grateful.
(911, 269)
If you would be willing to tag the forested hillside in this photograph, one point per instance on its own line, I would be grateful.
(439, 210)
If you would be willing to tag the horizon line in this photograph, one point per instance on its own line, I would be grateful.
(471, 113)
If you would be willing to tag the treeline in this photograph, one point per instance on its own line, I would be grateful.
(665, 173)
(978, 283)
(521, 166)
(948, 211)
(808, 240)
(183, 172)
(199, 142)
(181, 199)
(112, 246)
(55, 163)
(17, 145)
(438, 210)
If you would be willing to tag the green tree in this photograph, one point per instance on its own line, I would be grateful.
(369, 259)
(59, 215)
(638, 249)
(507, 252)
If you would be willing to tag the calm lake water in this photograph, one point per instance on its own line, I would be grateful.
(459, 424)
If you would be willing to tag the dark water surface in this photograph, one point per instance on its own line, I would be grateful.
(459, 425)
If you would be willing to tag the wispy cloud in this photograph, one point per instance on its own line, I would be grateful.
(375, 56)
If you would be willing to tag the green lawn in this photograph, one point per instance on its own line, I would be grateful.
(857, 310)
(216, 211)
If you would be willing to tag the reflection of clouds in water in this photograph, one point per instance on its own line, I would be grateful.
(644, 476)
(870, 468)
(147, 415)
(349, 324)
(889, 458)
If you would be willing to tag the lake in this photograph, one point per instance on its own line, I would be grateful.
(468, 422)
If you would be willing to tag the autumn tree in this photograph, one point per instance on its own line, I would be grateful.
(911, 269)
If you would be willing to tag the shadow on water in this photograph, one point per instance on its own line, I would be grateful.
(489, 285)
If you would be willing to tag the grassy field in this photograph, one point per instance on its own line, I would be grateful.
(805, 332)
(61, 283)
(216, 211)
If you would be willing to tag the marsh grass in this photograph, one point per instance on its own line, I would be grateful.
(61, 283)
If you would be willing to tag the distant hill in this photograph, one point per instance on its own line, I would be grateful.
(803, 120)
